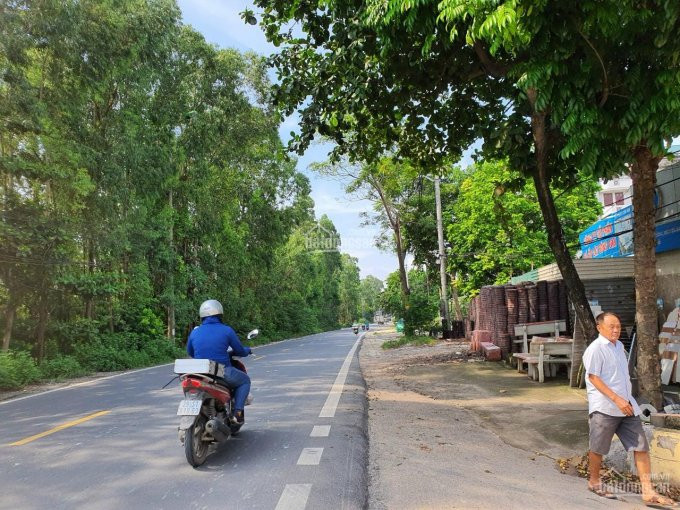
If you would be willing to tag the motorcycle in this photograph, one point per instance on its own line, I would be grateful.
(355, 329)
(206, 409)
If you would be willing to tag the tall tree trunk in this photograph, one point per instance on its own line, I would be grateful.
(43, 316)
(575, 288)
(111, 324)
(395, 223)
(643, 175)
(10, 313)
(89, 300)
(401, 255)
(170, 330)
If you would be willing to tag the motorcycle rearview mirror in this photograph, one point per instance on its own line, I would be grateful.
(253, 334)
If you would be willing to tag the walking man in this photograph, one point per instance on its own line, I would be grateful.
(613, 410)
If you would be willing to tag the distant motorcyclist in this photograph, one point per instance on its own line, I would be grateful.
(211, 340)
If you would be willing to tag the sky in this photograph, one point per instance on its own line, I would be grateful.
(220, 24)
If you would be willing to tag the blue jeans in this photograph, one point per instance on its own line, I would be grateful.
(240, 382)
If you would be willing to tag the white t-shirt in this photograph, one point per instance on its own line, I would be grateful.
(608, 361)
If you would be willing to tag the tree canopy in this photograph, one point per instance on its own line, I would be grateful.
(496, 231)
(555, 87)
(141, 172)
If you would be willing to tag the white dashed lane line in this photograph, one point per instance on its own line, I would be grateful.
(320, 431)
(310, 457)
(294, 496)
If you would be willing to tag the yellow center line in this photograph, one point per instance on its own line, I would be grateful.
(58, 428)
(259, 357)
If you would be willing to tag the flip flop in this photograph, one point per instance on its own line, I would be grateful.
(603, 493)
(654, 502)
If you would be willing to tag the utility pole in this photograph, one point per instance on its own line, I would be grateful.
(446, 320)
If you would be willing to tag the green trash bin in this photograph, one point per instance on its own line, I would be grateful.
(400, 326)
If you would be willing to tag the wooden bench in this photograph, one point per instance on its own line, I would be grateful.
(545, 353)
(537, 328)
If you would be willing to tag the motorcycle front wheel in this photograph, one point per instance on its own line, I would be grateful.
(195, 448)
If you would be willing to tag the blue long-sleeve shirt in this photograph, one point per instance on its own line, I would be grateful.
(212, 339)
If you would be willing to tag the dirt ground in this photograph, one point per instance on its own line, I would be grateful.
(547, 418)
(451, 431)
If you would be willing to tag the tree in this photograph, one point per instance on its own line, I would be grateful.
(444, 92)
(141, 172)
(495, 228)
(384, 182)
(349, 290)
(600, 79)
(557, 87)
(424, 304)
(369, 291)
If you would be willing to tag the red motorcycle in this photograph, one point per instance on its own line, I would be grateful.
(206, 409)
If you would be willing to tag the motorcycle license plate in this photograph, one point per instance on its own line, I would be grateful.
(189, 407)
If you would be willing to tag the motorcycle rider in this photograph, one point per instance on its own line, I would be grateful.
(211, 340)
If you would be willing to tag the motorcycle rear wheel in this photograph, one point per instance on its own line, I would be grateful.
(195, 448)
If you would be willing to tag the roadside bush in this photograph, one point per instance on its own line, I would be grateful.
(17, 369)
(61, 367)
(120, 351)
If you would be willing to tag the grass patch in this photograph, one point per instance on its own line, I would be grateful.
(409, 340)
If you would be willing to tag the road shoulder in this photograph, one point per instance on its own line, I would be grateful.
(429, 452)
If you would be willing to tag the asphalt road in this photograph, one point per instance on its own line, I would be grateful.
(129, 455)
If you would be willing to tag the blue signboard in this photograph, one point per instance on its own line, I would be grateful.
(668, 236)
(612, 236)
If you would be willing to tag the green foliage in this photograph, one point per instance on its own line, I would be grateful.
(17, 369)
(61, 367)
(496, 229)
(148, 177)
(369, 291)
(120, 351)
(390, 298)
(349, 290)
(423, 305)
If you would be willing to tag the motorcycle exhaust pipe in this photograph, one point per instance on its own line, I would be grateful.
(217, 429)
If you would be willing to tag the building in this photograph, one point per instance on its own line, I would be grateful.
(606, 254)
(612, 235)
(615, 194)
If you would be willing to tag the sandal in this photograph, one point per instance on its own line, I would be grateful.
(601, 491)
(659, 501)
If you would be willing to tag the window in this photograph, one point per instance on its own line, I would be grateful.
(607, 199)
(619, 198)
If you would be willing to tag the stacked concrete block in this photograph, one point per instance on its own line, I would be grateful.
(532, 292)
(480, 336)
(553, 300)
(542, 288)
(491, 352)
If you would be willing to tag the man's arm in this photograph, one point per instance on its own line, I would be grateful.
(625, 406)
(190, 347)
(236, 345)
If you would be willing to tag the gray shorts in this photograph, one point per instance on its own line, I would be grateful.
(627, 428)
